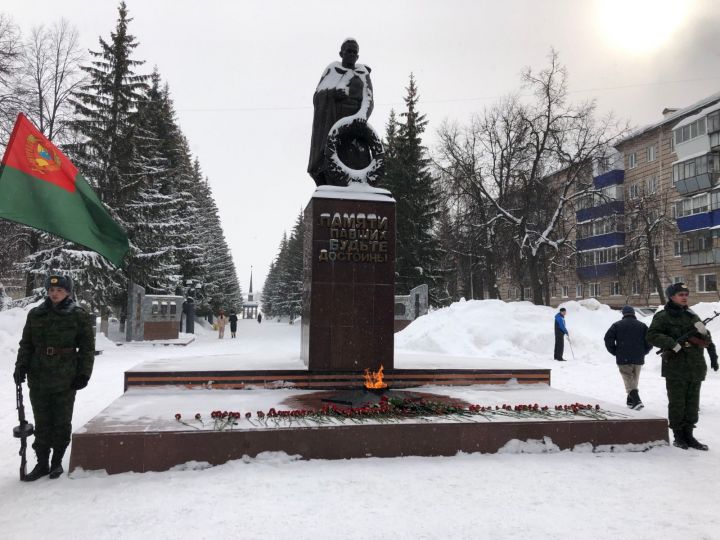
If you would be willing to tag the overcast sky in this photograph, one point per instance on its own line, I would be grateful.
(242, 74)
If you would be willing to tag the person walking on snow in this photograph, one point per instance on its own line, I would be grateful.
(560, 333)
(626, 340)
(233, 323)
(682, 336)
(221, 320)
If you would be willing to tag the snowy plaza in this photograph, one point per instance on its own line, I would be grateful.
(528, 489)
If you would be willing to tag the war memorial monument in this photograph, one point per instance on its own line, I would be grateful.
(350, 399)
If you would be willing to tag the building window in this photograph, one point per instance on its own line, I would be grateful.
(709, 163)
(656, 252)
(713, 122)
(632, 161)
(526, 293)
(652, 185)
(634, 191)
(707, 283)
(677, 248)
(672, 143)
(636, 288)
(689, 131)
(615, 288)
(594, 290)
(698, 204)
(578, 290)
(651, 153)
(565, 291)
(678, 279)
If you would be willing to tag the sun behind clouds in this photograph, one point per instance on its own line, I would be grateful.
(640, 27)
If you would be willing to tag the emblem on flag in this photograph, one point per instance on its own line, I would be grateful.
(41, 159)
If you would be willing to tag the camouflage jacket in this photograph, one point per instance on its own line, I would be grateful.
(667, 327)
(64, 326)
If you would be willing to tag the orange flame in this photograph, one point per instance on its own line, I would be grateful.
(374, 379)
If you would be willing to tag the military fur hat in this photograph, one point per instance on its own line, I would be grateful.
(55, 280)
(675, 288)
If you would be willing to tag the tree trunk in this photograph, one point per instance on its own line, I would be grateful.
(30, 277)
(535, 284)
(653, 268)
(491, 280)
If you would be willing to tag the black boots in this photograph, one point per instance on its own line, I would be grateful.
(56, 468)
(633, 400)
(679, 439)
(684, 439)
(46, 467)
(42, 468)
(692, 442)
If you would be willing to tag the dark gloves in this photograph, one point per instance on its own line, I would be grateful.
(714, 363)
(712, 353)
(80, 381)
(19, 375)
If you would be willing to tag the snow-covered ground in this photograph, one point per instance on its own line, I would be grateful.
(662, 493)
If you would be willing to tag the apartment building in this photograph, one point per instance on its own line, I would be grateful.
(655, 216)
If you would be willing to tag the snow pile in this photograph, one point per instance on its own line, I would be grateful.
(497, 329)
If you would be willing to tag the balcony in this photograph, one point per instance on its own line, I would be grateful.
(610, 178)
(696, 183)
(696, 222)
(696, 258)
(597, 271)
(602, 210)
(601, 240)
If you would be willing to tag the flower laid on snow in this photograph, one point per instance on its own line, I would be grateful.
(394, 409)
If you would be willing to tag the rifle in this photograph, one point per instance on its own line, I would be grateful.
(22, 431)
(693, 334)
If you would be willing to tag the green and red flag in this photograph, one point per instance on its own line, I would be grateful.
(41, 188)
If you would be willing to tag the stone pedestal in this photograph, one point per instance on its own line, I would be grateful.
(349, 280)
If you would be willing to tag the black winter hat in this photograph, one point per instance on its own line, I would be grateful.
(55, 280)
(675, 288)
(628, 310)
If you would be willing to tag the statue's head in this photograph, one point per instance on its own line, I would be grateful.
(349, 52)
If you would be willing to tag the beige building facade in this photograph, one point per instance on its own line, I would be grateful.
(654, 219)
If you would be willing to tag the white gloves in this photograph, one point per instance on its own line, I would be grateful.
(677, 347)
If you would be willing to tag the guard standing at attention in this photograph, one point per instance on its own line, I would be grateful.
(56, 353)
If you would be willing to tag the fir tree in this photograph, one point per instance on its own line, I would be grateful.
(106, 109)
(409, 180)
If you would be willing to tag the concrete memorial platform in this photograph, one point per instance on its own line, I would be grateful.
(138, 432)
(220, 372)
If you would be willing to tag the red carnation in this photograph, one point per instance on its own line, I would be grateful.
(178, 416)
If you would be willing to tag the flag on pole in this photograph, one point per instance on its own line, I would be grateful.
(41, 188)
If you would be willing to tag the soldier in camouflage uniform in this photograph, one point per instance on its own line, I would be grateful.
(56, 353)
(683, 363)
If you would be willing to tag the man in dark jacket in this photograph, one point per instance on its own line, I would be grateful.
(560, 333)
(56, 353)
(680, 333)
(626, 340)
(233, 323)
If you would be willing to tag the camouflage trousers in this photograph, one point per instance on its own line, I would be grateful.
(683, 402)
(53, 418)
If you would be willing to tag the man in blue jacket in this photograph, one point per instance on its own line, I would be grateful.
(560, 333)
(626, 340)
